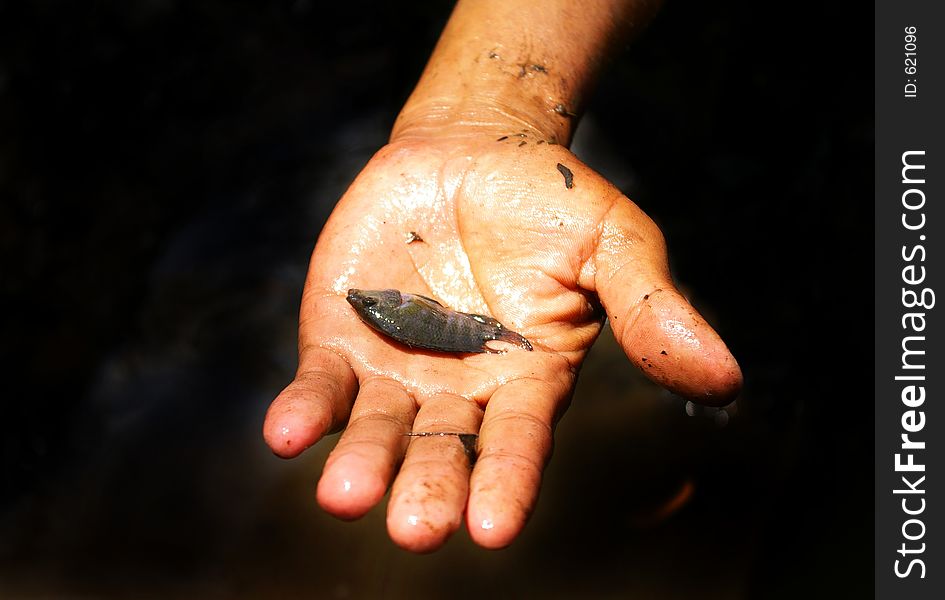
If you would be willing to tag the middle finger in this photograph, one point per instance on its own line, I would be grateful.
(429, 495)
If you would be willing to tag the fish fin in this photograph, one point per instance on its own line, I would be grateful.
(486, 348)
(485, 320)
(429, 299)
(511, 337)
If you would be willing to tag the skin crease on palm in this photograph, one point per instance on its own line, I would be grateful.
(502, 236)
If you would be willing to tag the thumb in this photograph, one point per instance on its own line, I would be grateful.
(659, 330)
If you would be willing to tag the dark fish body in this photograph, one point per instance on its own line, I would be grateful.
(420, 322)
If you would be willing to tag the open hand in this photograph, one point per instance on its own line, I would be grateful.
(502, 235)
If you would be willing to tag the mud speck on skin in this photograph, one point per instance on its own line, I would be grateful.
(568, 176)
(562, 110)
(469, 441)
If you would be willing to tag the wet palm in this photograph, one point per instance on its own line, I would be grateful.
(488, 227)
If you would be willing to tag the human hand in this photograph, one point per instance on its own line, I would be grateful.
(503, 236)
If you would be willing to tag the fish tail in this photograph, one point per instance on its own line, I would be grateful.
(514, 338)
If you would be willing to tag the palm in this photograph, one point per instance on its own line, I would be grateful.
(501, 235)
(493, 242)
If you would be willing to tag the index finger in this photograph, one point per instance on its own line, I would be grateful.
(316, 402)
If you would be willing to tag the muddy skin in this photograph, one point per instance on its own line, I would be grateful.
(562, 110)
(468, 440)
(568, 176)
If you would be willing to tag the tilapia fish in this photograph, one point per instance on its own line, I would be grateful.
(421, 322)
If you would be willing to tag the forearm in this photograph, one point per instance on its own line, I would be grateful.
(504, 66)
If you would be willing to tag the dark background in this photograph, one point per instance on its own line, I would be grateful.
(165, 167)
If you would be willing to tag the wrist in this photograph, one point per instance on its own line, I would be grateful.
(503, 66)
(484, 114)
(477, 81)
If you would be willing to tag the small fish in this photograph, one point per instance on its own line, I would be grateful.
(421, 322)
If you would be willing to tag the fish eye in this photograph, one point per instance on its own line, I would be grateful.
(370, 301)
